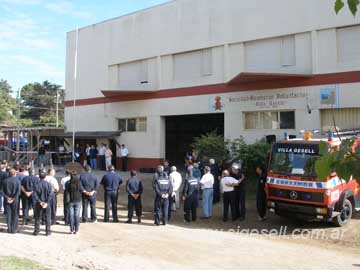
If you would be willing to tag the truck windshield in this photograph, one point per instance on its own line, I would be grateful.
(294, 160)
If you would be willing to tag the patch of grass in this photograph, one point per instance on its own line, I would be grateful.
(16, 263)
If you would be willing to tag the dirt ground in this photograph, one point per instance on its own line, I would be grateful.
(206, 244)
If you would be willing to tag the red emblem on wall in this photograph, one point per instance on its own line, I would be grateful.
(217, 104)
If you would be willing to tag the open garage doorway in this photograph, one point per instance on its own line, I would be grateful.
(181, 130)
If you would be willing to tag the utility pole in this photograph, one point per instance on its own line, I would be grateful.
(57, 108)
(18, 125)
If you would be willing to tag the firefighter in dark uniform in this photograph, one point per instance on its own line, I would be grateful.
(134, 188)
(111, 183)
(260, 193)
(163, 191)
(11, 190)
(89, 185)
(27, 198)
(190, 194)
(240, 208)
(42, 195)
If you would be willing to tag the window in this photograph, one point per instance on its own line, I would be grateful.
(348, 40)
(270, 120)
(122, 125)
(133, 124)
(288, 51)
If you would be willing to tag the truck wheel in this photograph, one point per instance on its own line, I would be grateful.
(345, 215)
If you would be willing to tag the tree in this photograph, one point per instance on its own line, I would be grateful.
(7, 103)
(39, 103)
(352, 4)
(341, 160)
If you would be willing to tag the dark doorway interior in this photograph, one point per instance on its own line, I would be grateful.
(181, 130)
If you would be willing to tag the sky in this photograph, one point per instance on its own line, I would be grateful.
(33, 34)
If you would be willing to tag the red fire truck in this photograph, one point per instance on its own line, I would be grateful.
(294, 190)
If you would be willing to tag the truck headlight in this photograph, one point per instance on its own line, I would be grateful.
(322, 211)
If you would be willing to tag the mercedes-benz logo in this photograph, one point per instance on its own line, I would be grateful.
(293, 195)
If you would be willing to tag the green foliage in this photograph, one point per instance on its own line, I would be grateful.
(352, 4)
(15, 263)
(7, 104)
(213, 146)
(39, 103)
(251, 155)
(342, 161)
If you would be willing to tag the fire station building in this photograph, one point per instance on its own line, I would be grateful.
(157, 78)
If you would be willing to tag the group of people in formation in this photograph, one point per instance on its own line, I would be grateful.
(205, 182)
(38, 191)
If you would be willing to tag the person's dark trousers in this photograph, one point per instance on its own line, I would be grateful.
(162, 205)
(237, 201)
(242, 206)
(229, 201)
(66, 213)
(261, 203)
(27, 202)
(42, 212)
(111, 197)
(102, 163)
(53, 208)
(12, 216)
(190, 206)
(74, 216)
(216, 197)
(124, 161)
(171, 201)
(132, 203)
(86, 200)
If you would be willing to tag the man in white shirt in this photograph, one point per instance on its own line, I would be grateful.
(55, 189)
(176, 180)
(227, 187)
(124, 157)
(108, 158)
(63, 182)
(207, 184)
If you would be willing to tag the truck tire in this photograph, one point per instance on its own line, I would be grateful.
(345, 214)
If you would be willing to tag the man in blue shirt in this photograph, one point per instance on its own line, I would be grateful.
(111, 182)
(134, 188)
(27, 187)
(89, 185)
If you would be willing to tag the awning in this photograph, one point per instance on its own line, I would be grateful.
(93, 134)
(125, 93)
(247, 77)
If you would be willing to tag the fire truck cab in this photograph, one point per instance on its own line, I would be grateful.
(294, 190)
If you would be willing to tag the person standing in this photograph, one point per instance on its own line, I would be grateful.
(227, 188)
(124, 157)
(3, 176)
(11, 189)
(27, 187)
(101, 152)
(93, 155)
(190, 196)
(108, 158)
(42, 156)
(134, 188)
(207, 183)
(215, 171)
(166, 166)
(63, 182)
(89, 186)
(111, 183)
(55, 189)
(42, 195)
(239, 191)
(73, 199)
(176, 180)
(163, 191)
(261, 193)
(87, 152)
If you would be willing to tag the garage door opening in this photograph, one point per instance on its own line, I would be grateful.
(181, 131)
